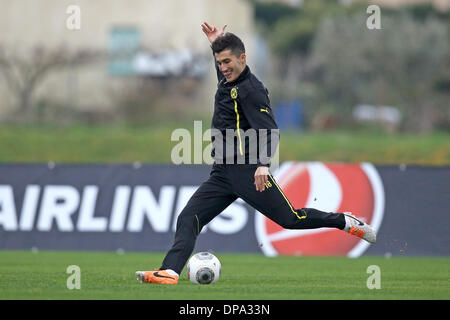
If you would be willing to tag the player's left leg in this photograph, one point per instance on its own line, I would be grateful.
(274, 204)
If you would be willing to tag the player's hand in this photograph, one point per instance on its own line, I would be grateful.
(211, 32)
(261, 178)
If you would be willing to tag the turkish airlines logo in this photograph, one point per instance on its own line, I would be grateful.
(328, 187)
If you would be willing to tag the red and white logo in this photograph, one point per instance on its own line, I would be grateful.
(330, 187)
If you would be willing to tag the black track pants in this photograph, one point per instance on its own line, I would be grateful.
(226, 183)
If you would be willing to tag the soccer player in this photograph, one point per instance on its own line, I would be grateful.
(241, 104)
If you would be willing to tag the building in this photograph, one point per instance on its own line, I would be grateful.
(139, 28)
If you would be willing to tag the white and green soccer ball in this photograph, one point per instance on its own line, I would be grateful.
(203, 268)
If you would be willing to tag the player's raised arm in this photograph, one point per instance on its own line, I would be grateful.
(212, 33)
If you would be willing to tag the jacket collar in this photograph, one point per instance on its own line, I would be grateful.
(244, 75)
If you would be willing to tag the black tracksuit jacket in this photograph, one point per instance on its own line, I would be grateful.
(241, 105)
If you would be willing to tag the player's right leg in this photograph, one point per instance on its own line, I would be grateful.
(210, 199)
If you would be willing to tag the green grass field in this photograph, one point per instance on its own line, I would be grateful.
(107, 276)
(109, 144)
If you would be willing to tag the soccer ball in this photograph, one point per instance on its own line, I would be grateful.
(203, 268)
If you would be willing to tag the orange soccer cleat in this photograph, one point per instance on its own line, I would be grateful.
(158, 276)
(359, 228)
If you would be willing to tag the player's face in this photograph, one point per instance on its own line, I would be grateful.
(230, 65)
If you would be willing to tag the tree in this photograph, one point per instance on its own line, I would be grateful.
(399, 65)
(24, 71)
(290, 34)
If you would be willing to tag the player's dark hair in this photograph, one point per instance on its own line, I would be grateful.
(228, 41)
